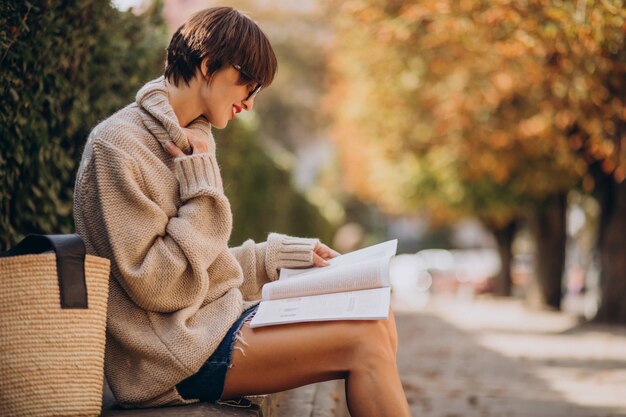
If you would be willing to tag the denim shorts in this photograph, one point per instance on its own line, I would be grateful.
(208, 383)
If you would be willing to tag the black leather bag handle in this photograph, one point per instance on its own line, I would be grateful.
(70, 253)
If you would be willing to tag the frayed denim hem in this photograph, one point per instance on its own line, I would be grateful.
(208, 383)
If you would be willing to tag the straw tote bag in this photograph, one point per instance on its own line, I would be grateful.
(52, 328)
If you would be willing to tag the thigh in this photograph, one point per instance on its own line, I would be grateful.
(277, 358)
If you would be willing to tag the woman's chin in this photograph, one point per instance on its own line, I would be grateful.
(220, 124)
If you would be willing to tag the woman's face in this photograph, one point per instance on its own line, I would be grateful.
(223, 97)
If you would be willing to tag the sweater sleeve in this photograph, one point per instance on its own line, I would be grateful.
(261, 262)
(161, 255)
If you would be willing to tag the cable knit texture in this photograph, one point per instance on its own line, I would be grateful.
(176, 287)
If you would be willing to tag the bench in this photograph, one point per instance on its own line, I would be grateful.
(325, 399)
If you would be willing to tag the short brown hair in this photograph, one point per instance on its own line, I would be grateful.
(225, 36)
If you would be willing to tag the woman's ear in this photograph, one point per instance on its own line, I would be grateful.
(204, 68)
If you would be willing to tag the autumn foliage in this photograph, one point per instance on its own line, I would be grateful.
(491, 109)
(478, 107)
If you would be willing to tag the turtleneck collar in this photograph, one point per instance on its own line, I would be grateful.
(153, 98)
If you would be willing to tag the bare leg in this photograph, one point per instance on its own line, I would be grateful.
(278, 358)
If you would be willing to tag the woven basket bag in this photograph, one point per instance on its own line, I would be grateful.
(52, 328)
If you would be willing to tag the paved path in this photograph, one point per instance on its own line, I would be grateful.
(491, 357)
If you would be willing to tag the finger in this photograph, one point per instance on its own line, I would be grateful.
(190, 137)
(318, 260)
(173, 149)
(325, 251)
(324, 254)
(332, 253)
(196, 143)
(192, 142)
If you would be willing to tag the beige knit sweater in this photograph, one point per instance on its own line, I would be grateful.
(176, 287)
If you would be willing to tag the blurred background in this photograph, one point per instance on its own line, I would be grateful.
(489, 137)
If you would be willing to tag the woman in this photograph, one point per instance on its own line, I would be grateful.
(149, 197)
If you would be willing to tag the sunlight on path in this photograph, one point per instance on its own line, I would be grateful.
(491, 357)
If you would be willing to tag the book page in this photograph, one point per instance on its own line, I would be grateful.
(381, 250)
(370, 304)
(364, 275)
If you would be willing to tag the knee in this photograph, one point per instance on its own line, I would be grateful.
(375, 344)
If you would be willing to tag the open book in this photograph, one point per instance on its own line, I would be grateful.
(355, 286)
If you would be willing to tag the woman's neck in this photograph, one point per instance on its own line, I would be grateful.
(184, 101)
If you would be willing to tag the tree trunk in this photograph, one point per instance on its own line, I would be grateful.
(550, 238)
(504, 237)
(612, 248)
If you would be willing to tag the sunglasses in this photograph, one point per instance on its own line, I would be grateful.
(247, 75)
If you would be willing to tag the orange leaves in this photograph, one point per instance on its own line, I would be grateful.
(500, 140)
(534, 126)
(564, 119)
(588, 183)
(601, 149)
(503, 81)
(489, 164)
(413, 13)
(501, 101)
(498, 15)
(576, 142)
(511, 49)
(362, 12)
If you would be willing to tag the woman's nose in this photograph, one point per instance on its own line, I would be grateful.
(248, 103)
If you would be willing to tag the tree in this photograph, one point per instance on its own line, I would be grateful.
(477, 104)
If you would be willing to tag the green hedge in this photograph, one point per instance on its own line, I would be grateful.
(65, 66)
(261, 195)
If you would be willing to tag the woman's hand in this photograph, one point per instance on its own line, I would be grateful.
(197, 143)
(321, 253)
